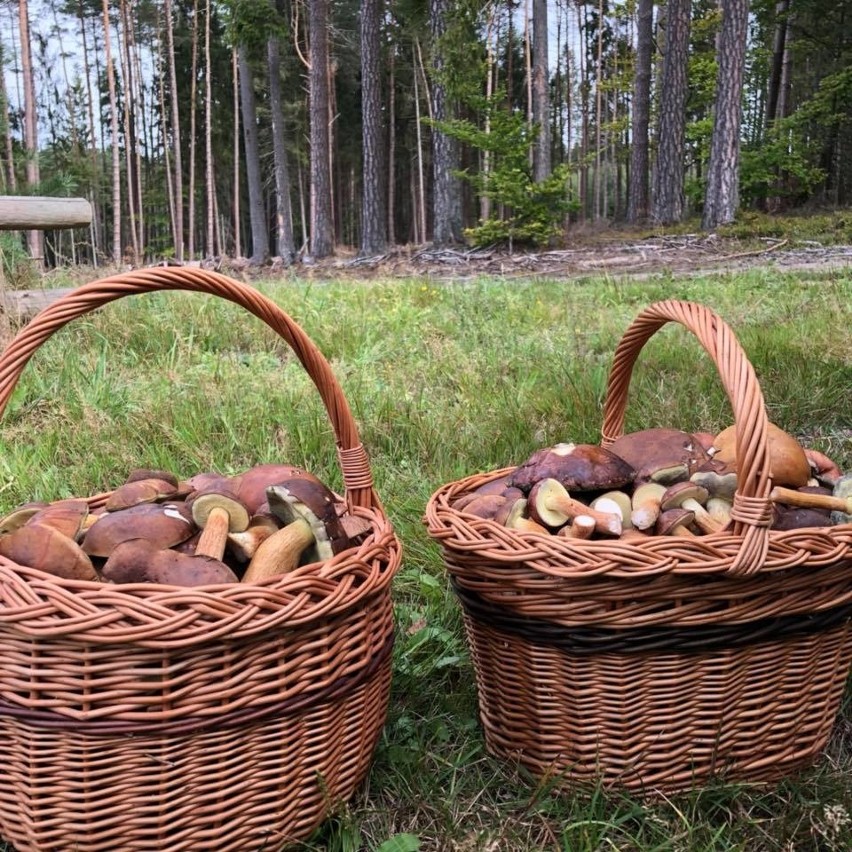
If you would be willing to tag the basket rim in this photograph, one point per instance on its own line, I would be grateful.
(707, 555)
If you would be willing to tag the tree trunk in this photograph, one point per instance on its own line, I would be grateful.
(391, 181)
(116, 154)
(722, 196)
(257, 217)
(129, 135)
(420, 195)
(285, 246)
(541, 107)
(175, 135)
(446, 207)
(208, 138)
(598, 111)
(9, 164)
(192, 114)
(374, 218)
(637, 202)
(35, 238)
(668, 201)
(322, 223)
(779, 46)
(236, 72)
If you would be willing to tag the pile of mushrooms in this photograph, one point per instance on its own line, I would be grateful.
(208, 529)
(657, 482)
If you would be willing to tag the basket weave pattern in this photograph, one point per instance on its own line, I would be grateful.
(657, 663)
(229, 717)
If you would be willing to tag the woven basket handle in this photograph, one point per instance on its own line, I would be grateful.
(357, 476)
(752, 511)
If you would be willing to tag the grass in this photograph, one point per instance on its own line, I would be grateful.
(446, 380)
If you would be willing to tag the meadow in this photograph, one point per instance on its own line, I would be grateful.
(446, 379)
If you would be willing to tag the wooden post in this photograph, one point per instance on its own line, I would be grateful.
(30, 212)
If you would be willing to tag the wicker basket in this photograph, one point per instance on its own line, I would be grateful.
(658, 664)
(227, 717)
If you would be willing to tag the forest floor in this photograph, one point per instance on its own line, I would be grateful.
(825, 245)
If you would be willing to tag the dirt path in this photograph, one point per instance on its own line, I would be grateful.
(690, 254)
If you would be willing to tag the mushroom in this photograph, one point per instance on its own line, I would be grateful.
(250, 486)
(140, 561)
(788, 464)
(217, 512)
(163, 524)
(243, 545)
(578, 467)
(675, 522)
(66, 516)
(660, 455)
(645, 503)
(718, 477)
(138, 491)
(312, 530)
(621, 500)
(513, 516)
(688, 495)
(485, 506)
(19, 516)
(49, 550)
(551, 504)
(142, 473)
(720, 510)
(798, 518)
(841, 505)
(580, 527)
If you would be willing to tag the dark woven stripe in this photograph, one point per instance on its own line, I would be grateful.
(240, 717)
(641, 640)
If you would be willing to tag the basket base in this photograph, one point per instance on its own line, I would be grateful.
(262, 786)
(655, 722)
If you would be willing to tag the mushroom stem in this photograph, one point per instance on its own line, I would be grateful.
(703, 519)
(280, 553)
(214, 536)
(810, 501)
(551, 503)
(581, 527)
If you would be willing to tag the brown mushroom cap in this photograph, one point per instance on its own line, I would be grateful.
(66, 516)
(162, 524)
(19, 516)
(141, 473)
(139, 561)
(660, 455)
(797, 518)
(788, 464)
(674, 522)
(250, 486)
(47, 549)
(139, 491)
(718, 477)
(578, 467)
(204, 502)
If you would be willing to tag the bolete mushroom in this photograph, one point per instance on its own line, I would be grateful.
(250, 486)
(244, 544)
(19, 516)
(577, 467)
(66, 516)
(660, 455)
(581, 527)
(217, 512)
(162, 524)
(622, 502)
(312, 530)
(839, 504)
(675, 522)
(513, 516)
(689, 495)
(138, 491)
(140, 561)
(551, 504)
(49, 550)
(788, 464)
(645, 504)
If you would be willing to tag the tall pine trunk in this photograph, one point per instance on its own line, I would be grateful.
(285, 246)
(668, 201)
(209, 173)
(175, 135)
(446, 209)
(236, 72)
(322, 223)
(374, 224)
(637, 201)
(35, 238)
(116, 154)
(192, 114)
(722, 195)
(257, 217)
(541, 107)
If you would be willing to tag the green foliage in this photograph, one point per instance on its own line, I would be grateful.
(19, 269)
(525, 212)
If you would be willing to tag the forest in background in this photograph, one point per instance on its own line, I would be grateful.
(295, 128)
